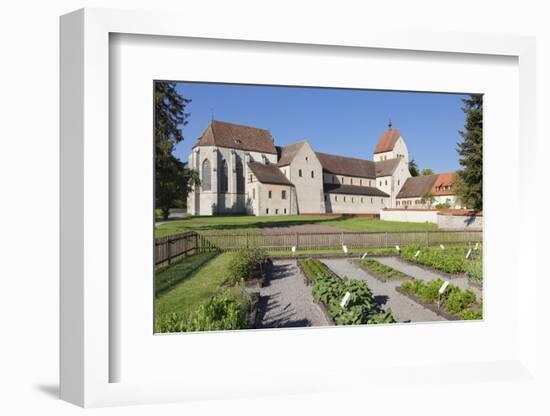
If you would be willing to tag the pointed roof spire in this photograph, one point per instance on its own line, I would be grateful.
(389, 124)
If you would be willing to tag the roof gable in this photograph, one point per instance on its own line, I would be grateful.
(416, 186)
(386, 167)
(268, 173)
(287, 154)
(387, 141)
(443, 181)
(236, 136)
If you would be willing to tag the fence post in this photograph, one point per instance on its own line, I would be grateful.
(169, 251)
(246, 240)
(386, 239)
(427, 238)
(296, 240)
(342, 238)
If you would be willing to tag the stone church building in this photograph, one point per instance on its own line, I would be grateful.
(243, 172)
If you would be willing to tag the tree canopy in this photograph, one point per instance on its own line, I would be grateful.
(469, 182)
(173, 180)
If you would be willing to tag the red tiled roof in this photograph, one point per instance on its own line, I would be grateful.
(236, 136)
(444, 179)
(387, 141)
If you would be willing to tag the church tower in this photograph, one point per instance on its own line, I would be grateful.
(391, 145)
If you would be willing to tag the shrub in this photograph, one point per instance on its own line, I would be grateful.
(225, 311)
(247, 263)
(443, 205)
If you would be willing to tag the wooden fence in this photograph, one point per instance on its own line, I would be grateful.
(169, 249)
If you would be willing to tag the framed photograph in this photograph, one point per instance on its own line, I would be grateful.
(274, 206)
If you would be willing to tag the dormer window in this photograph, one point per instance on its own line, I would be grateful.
(237, 140)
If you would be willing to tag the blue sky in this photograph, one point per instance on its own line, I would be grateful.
(338, 121)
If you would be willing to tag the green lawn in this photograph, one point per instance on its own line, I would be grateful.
(169, 276)
(198, 287)
(251, 224)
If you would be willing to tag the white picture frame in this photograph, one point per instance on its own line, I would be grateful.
(86, 263)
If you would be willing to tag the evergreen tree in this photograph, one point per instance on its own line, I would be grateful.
(413, 168)
(469, 183)
(172, 179)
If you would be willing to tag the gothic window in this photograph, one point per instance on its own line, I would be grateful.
(300, 173)
(206, 175)
(240, 175)
(224, 176)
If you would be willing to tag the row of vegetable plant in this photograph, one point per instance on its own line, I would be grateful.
(330, 289)
(313, 268)
(456, 301)
(449, 260)
(382, 270)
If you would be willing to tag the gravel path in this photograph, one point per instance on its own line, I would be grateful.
(403, 308)
(421, 273)
(286, 301)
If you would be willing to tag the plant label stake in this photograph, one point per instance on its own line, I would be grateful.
(417, 254)
(364, 255)
(477, 245)
(397, 248)
(345, 248)
(440, 292)
(468, 253)
(345, 300)
(442, 246)
(293, 250)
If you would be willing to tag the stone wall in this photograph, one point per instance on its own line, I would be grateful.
(409, 215)
(447, 221)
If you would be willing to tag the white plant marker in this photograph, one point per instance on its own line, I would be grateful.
(345, 248)
(443, 287)
(442, 246)
(293, 250)
(417, 254)
(364, 255)
(345, 300)
(477, 245)
(468, 253)
(397, 248)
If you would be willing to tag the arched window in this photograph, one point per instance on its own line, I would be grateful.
(240, 175)
(223, 176)
(206, 176)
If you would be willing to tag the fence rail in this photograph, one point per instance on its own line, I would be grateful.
(169, 249)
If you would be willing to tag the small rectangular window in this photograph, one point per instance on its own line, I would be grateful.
(333, 179)
(386, 182)
(283, 194)
(253, 193)
(371, 200)
(336, 197)
(360, 182)
(250, 178)
(284, 210)
(300, 173)
(276, 212)
(267, 210)
(382, 201)
(352, 199)
(312, 174)
(344, 199)
(398, 182)
(269, 194)
(361, 199)
(351, 181)
(380, 183)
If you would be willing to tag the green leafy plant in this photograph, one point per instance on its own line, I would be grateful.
(450, 260)
(381, 269)
(246, 264)
(225, 311)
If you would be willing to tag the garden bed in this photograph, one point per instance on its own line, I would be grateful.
(453, 304)
(381, 272)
